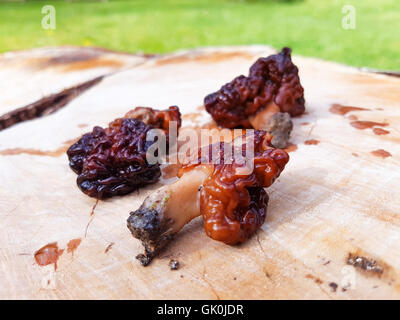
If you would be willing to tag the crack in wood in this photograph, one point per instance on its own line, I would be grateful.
(203, 277)
(384, 72)
(91, 217)
(46, 105)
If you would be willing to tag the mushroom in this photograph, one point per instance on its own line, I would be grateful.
(272, 86)
(228, 194)
(112, 161)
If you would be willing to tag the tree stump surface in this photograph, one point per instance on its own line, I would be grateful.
(333, 223)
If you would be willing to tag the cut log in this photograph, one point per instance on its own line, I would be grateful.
(333, 223)
(34, 80)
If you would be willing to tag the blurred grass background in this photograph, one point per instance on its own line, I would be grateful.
(310, 27)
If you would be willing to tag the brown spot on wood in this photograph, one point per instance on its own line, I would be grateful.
(91, 216)
(354, 154)
(46, 105)
(352, 117)
(94, 207)
(67, 58)
(36, 152)
(304, 123)
(48, 254)
(380, 131)
(76, 58)
(316, 280)
(73, 245)
(93, 63)
(206, 57)
(109, 247)
(342, 110)
(361, 125)
(311, 142)
(291, 147)
(381, 153)
(82, 125)
(366, 264)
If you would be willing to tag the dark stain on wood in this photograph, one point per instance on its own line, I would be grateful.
(311, 142)
(361, 125)
(316, 280)
(73, 245)
(91, 216)
(342, 110)
(380, 131)
(109, 247)
(333, 286)
(48, 254)
(36, 152)
(70, 57)
(381, 153)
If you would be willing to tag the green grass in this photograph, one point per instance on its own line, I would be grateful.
(310, 27)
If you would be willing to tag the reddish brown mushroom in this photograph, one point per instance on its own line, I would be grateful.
(272, 86)
(228, 195)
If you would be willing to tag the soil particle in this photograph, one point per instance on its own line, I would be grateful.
(333, 286)
(364, 263)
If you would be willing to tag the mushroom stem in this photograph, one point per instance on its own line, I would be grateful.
(261, 119)
(277, 123)
(167, 211)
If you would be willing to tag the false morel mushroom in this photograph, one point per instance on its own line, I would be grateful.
(272, 86)
(112, 161)
(228, 194)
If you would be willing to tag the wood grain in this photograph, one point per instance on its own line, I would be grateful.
(335, 200)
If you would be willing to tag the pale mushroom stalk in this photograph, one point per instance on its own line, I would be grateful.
(277, 123)
(167, 211)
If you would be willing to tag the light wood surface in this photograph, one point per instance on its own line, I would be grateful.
(334, 199)
(27, 76)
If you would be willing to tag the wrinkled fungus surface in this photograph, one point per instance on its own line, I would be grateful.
(112, 161)
(233, 202)
(271, 79)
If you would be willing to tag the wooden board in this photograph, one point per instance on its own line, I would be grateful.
(27, 76)
(335, 200)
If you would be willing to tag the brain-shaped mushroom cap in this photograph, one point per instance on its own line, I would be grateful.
(112, 161)
(271, 79)
(233, 202)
